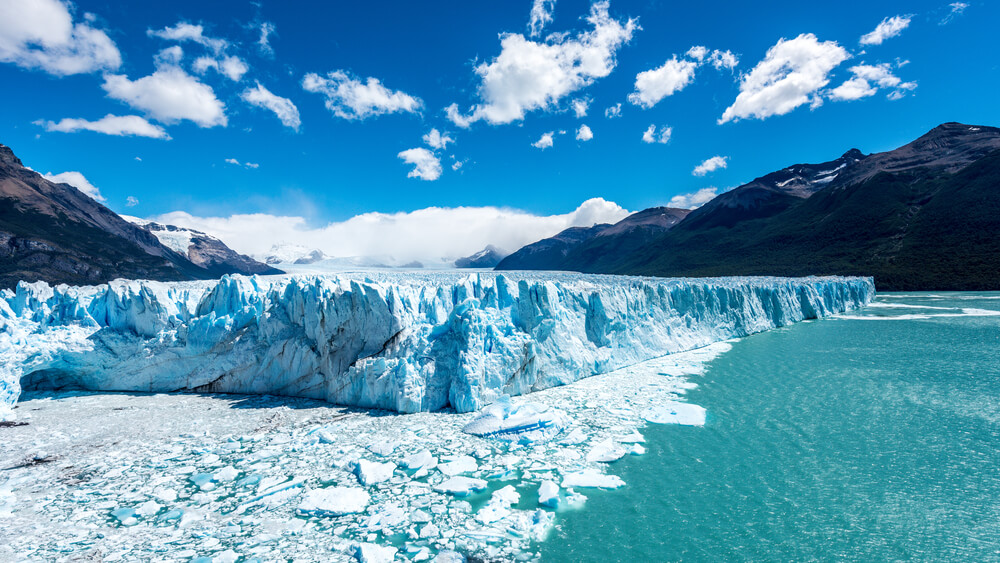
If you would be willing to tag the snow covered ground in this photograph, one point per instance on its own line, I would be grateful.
(177, 477)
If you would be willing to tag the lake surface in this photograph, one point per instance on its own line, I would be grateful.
(875, 436)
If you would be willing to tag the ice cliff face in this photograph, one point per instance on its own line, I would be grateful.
(407, 343)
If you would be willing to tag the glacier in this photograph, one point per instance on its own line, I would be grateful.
(405, 342)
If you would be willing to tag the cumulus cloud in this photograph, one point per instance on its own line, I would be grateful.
(545, 141)
(184, 31)
(425, 234)
(724, 60)
(426, 165)
(651, 86)
(282, 107)
(889, 28)
(41, 34)
(78, 181)
(867, 81)
(169, 95)
(131, 201)
(120, 125)
(957, 8)
(541, 16)
(580, 106)
(437, 140)
(710, 165)
(232, 67)
(613, 111)
(350, 98)
(169, 56)
(584, 133)
(651, 136)
(791, 74)
(694, 199)
(531, 75)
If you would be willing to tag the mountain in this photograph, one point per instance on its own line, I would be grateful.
(488, 257)
(286, 253)
(203, 250)
(592, 245)
(56, 233)
(925, 216)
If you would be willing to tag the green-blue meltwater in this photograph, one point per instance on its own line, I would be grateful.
(871, 437)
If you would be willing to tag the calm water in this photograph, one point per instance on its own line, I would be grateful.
(864, 440)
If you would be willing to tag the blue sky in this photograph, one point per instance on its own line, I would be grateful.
(922, 63)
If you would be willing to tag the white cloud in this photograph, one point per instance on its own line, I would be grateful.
(121, 125)
(264, 43)
(545, 141)
(169, 95)
(957, 8)
(541, 16)
(78, 181)
(131, 201)
(426, 166)
(350, 98)
(251, 165)
(580, 107)
(282, 107)
(232, 67)
(169, 56)
(584, 133)
(424, 234)
(694, 199)
(724, 60)
(650, 135)
(890, 27)
(457, 164)
(697, 52)
(437, 140)
(866, 82)
(651, 86)
(41, 34)
(529, 75)
(613, 111)
(791, 74)
(710, 165)
(184, 31)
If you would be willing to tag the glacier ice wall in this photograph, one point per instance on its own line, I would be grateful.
(407, 343)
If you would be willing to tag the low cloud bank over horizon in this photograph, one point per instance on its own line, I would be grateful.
(428, 234)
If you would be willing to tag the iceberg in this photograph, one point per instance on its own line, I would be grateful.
(334, 501)
(405, 342)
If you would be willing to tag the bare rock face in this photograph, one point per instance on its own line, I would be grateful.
(204, 250)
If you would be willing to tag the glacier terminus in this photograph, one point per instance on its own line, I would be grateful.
(405, 342)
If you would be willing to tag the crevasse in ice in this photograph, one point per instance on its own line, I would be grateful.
(406, 342)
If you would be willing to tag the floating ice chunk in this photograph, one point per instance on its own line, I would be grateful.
(429, 531)
(334, 501)
(507, 495)
(420, 460)
(607, 451)
(227, 556)
(125, 516)
(634, 438)
(203, 481)
(637, 449)
(459, 465)
(499, 506)
(449, 556)
(382, 448)
(148, 508)
(684, 414)
(165, 494)
(575, 437)
(593, 479)
(461, 486)
(226, 474)
(525, 423)
(374, 553)
(548, 494)
(372, 472)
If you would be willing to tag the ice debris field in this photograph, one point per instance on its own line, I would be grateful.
(222, 478)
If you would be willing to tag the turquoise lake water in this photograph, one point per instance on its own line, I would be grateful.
(841, 439)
